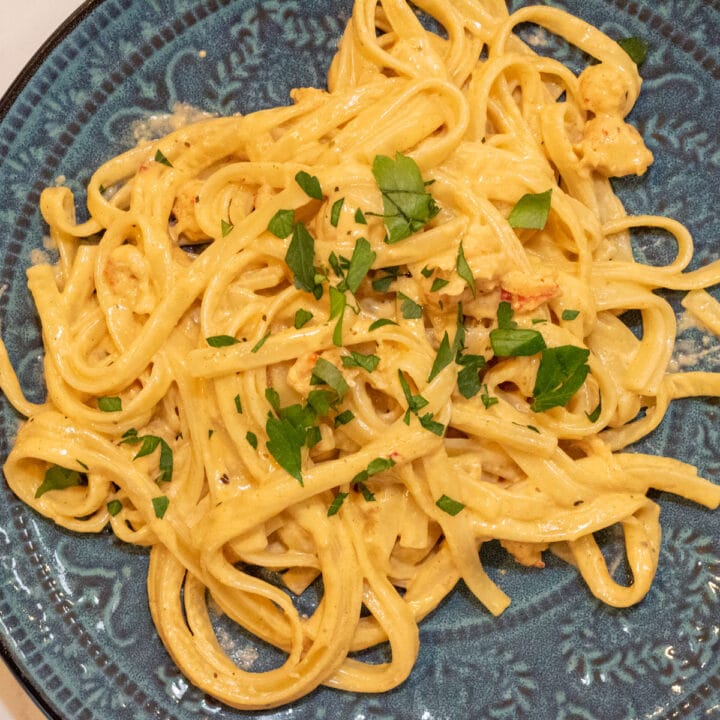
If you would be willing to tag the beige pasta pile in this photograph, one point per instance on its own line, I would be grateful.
(349, 341)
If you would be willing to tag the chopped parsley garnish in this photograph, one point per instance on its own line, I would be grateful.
(426, 272)
(282, 223)
(443, 358)
(356, 359)
(407, 206)
(508, 340)
(336, 504)
(469, 376)
(302, 318)
(374, 467)
(149, 444)
(218, 341)
(432, 425)
(326, 373)
(59, 478)
(361, 261)
(310, 184)
(487, 399)
(381, 323)
(110, 404)
(595, 414)
(382, 284)
(338, 303)
(114, 507)
(285, 440)
(81, 464)
(360, 217)
(415, 402)
(335, 211)
(321, 401)
(226, 227)
(238, 404)
(561, 373)
(439, 284)
(159, 157)
(344, 418)
(160, 505)
(300, 258)
(252, 440)
(635, 47)
(531, 211)
(464, 270)
(409, 308)
(570, 314)
(448, 505)
(260, 342)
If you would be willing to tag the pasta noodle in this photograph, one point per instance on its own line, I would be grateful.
(349, 341)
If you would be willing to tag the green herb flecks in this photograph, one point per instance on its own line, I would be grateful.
(464, 270)
(282, 223)
(635, 47)
(226, 227)
(300, 258)
(110, 404)
(160, 158)
(160, 506)
(531, 211)
(149, 444)
(407, 206)
(60, 478)
(302, 318)
(561, 373)
(310, 184)
(359, 360)
(218, 341)
(448, 505)
(507, 340)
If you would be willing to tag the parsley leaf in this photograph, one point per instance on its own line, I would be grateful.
(325, 372)
(487, 399)
(361, 261)
(282, 223)
(109, 404)
(635, 47)
(59, 478)
(410, 309)
(302, 317)
(561, 373)
(507, 340)
(251, 437)
(595, 414)
(356, 359)
(464, 270)
(448, 505)
(285, 439)
(439, 284)
(160, 506)
(260, 342)
(300, 258)
(443, 358)
(217, 341)
(407, 206)
(310, 184)
(226, 227)
(426, 272)
(336, 504)
(381, 323)
(382, 284)
(149, 444)
(432, 425)
(468, 378)
(338, 303)
(344, 418)
(360, 217)
(415, 402)
(570, 314)
(160, 158)
(531, 211)
(335, 211)
(238, 404)
(114, 507)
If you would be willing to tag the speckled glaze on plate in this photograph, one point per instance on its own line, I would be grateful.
(74, 622)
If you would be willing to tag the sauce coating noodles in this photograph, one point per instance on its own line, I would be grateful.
(397, 339)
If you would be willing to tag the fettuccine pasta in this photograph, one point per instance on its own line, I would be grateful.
(346, 342)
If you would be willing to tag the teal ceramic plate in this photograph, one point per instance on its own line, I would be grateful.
(74, 622)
